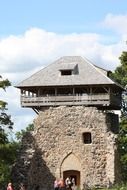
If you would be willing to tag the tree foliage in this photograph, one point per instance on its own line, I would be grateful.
(5, 119)
(122, 140)
(20, 134)
(8, 154)
(7, 149)
(120, 76)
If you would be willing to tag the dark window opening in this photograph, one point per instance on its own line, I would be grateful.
(66, 72)
(87, 138)
(64, 91)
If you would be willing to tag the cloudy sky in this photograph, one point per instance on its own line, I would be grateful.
(36, 33)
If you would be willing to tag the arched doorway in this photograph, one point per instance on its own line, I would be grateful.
(72, 174)
(71, 167)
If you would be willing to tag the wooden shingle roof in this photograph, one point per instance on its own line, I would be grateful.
(85, 73)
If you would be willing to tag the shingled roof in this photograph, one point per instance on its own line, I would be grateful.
(84, 73)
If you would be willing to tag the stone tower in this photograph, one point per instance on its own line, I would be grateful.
(75, 132)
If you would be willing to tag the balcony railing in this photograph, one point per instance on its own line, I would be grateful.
(84, 99)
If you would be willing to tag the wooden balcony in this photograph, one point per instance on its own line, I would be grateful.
(63, 100)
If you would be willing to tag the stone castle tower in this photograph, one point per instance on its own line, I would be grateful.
(75, 132)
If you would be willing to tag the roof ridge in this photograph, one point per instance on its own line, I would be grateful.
(88, 74)
(93, 65)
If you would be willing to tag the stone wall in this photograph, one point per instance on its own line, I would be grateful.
(56, 147)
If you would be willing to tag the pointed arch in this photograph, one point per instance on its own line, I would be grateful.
(71, 166)
(70, 162)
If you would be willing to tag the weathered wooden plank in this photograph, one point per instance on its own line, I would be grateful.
(85, 99)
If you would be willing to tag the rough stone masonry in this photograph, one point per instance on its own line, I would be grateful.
(57, 147)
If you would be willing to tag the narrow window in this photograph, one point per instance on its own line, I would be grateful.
(66, 72)
(87, 138)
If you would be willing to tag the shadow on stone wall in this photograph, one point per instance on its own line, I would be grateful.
(30, 168)
(112, 122)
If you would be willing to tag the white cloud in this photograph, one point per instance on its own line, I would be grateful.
(20, 116)
(36, 47)
(21, 56)
(116, 22)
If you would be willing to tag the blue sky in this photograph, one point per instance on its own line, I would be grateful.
(60, 16)
(36, 33)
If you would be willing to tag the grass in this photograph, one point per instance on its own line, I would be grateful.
(116, 187)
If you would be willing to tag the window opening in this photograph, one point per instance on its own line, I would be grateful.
(66, 72)
(87, 138)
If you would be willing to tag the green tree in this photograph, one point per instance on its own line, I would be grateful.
(20, 134)
(8, 154)
(120, 76)
(5, 119)
(7, 149)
